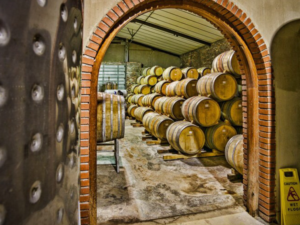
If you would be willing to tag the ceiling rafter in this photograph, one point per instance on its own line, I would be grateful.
(171, 31)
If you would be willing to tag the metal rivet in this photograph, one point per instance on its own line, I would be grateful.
(2, 214)
(60, 133)
(59, 173)
(35, 192)
(3, 156)
(75, 24)
(71, 160)
(41, 3)
(36, 142)
(74, 56)
(64, 12)
(72, 125)
(62, 52)
(3, 96)
(38, 45)
(73, 92)
(37, 93)
(72, 193)
(4, 34)
(60, 215)
(60, 92)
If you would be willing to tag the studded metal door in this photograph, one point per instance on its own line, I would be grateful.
(40, 58)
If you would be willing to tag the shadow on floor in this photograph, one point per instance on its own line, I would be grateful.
(112, 188)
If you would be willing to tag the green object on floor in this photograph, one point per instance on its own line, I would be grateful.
(107, 160)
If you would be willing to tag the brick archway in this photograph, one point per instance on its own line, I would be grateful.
(258, 96)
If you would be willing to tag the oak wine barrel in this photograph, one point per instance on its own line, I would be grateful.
(149, 100)
(143, 89)
(172, 107)
(220, 86)
(137, 99)
(172, 73)
(227, 62)
(147, 118)
(203, 71)
(140, 112)
(161, 87)
(134, 88)
(131, 110)
(190, 72)
(110, 117)
(146, 71)
(158, 126)
(158, 105)
(186, 137)
(128, 98)
(150, 80)
(202, 110)
(234, 153)
(232, 110)
(186, 88)
(171, 89)
(140, 80)
(217, 136)
(156, 70)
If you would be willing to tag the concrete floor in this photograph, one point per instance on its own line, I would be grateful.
(149, 190)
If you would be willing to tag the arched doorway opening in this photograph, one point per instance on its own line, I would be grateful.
(257, 83)
(287, 86)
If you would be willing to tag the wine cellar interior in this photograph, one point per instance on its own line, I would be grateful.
(185, 116)
(149, 112)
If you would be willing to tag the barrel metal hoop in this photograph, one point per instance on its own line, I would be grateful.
(119, 116)
(111, 116)
(103, 118)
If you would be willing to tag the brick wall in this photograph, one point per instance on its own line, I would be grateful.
(258, 98)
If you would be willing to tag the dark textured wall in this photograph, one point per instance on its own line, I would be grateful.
(205, 55)
(133, 72)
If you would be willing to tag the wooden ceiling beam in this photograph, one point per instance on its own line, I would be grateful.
(171, 31)
(148, 46)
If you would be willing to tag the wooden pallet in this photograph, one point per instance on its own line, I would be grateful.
(147, 137)
(234, 176)
(157, 142)
(175, 155)
(145, 132)
(137, 124)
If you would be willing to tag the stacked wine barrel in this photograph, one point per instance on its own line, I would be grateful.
(191, 108)
(142, 93)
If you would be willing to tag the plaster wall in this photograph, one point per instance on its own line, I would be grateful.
(286, 65)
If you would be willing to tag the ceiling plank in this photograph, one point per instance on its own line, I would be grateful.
(170, 31)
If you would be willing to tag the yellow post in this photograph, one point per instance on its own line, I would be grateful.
(289, 196)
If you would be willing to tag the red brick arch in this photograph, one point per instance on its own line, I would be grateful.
(258, 96)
